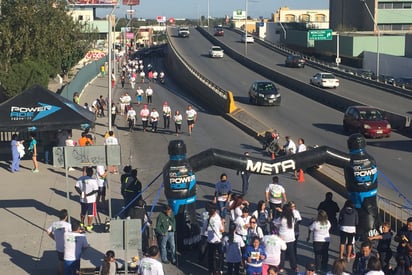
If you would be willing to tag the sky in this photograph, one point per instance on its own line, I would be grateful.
(193, 9)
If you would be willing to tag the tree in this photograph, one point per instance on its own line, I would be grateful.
(41, 35)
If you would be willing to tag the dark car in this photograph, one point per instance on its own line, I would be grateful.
(405, 83)
(295, 61)
(366, 120)
(264, 93)
(219, 31)
(366, 74)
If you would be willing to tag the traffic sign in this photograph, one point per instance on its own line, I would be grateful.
(320, 34)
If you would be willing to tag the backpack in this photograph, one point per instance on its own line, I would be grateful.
(261, 219)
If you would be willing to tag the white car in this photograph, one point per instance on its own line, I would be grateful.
(247, 39)
(216, 51)
(325, 80)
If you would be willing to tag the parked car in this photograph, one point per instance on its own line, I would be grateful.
(325, 80)
(247, 39)
(366, 74)
(219, 31)
(216, 51)
(366, 120)
(405, 83)
(264, 93)
(387, 79)
(295, 61)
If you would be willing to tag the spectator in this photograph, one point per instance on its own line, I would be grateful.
(348, 220)
(166, 228)
(214, 228)
(285, 225)
(362, 258)
(123, 180)
(139, 212)
(76, 98)
(223, 192)
(15, 148)
(245, 175)
(301, 148)
(33, 152)
(321, 239)
(275, 195)
(254, 256)
(384, 245)
(338, 268)
(191, 117)
(262, 216)
(150, 265)
(112, 140)
(102, 106)
(84, 140)
(289, 147)
(133, 189)
(74, 244)
(331, 208)
(374, 267)
(109, 265)
(178, 122)
(101, 175)
(232, 246)
(56, 232)
(404, 237)
(87, 188)
(273, 245)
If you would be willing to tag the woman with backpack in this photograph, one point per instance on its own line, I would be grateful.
(262, 216)
(232, 247)
(254, 230)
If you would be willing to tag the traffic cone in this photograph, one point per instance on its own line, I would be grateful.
(273, 155)
(301, 179)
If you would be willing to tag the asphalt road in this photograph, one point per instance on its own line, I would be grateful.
(149, 153)
(299, 116)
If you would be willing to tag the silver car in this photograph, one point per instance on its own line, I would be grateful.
(325, 80)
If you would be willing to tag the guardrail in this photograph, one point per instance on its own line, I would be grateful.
(213, 95)
(398, 121)
(393, 213)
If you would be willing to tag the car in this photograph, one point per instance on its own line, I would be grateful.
(367, 74)
(183, 32)
(369, 121)
(247, 39)
(295, 61)
(264, 93)
(219, 31)
(216, 51)
(325, 80)
(405, 83)
(387, 79)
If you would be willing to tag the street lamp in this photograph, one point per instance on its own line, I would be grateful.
(246, 6)
(110, 47)
(376, 27)
(208, 12)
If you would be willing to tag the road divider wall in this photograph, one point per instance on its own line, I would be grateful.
(340, 103)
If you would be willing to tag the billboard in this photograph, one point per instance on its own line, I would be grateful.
(93, 2)
(161, 19)
(131, 2)
(239, 15)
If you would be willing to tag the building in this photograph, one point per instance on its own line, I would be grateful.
(389, 16)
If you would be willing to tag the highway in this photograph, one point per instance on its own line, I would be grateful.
(148, 152)
(299, 116)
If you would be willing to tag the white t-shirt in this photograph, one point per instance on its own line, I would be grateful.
(131, 114)
(111, 141)
(287, 234)
(99, 175)
(74, 244)
(301, 148)
(149, 91)
(139, 91)
(291, 147)
(87, 185)
(320, 231)
(191, 114)
(214, 228)
(69, 142)
(166, 110)
(240, 222)
(126, 99)
(275, 193)
(150, 266)
(273, 245)
(154, 116)
(58, 229)
(144, 114)
(178, 119)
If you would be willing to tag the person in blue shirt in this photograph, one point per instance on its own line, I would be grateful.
(223, 192)
(254, 256)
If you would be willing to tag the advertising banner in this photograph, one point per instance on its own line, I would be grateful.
(239, 15)
(93, 2)
(161, 19)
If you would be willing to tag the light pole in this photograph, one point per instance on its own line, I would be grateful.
(376, 28)
(208, 12)
(246, 4)
(110, 47)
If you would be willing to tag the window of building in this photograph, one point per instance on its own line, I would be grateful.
(320, 18)
(397, 5)
(407, 5)
(80, 18)
(290, 18)
(305, 18)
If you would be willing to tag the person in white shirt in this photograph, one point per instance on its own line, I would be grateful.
(101, 174)
(112, 140)
(154, 119)
(74, 244)
(87, 188)
(273, 245)
(149, 95)
(133, 80)
(177, 118)
(144, 115)
(155, 75)
(275, 194)
(254, 230)
(289, 147)
(167, 112)
(150, 265)
(242, 223)
(215, 228)
(70, 142)
(109, 265)
(321, 239)
(142, 76)
(232, 245)
(301, 148)
(56, 232)
(191, 117)
(131, 118)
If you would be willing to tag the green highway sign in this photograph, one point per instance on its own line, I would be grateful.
(320, 34)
